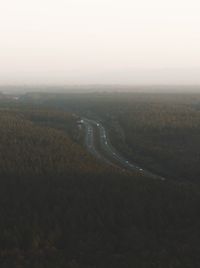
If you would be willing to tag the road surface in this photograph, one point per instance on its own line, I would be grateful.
(95, 133)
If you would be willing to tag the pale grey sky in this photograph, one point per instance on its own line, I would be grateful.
(99, 41)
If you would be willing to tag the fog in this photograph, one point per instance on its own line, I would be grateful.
(99, 41)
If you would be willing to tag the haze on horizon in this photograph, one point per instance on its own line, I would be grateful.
(100, 41)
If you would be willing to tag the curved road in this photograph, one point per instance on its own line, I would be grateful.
(98, 144)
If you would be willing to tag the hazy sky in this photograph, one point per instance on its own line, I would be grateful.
(99, 41)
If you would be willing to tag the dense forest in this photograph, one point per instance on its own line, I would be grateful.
(60, 207)
(159, 131)
(162, 134)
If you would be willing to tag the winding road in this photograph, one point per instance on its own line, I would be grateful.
(98, 144)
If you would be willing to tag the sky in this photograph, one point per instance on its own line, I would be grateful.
(99, 41)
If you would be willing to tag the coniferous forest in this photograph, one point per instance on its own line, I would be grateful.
(61, 207)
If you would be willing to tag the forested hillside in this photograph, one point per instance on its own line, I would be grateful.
(161, 135)
(30, 146)
(158, 131)
(61, 208)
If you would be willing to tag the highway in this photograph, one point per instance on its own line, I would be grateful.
(98, 144)
(89, 140)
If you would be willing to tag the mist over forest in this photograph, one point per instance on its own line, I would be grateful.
(99, 178)
(100, 134)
